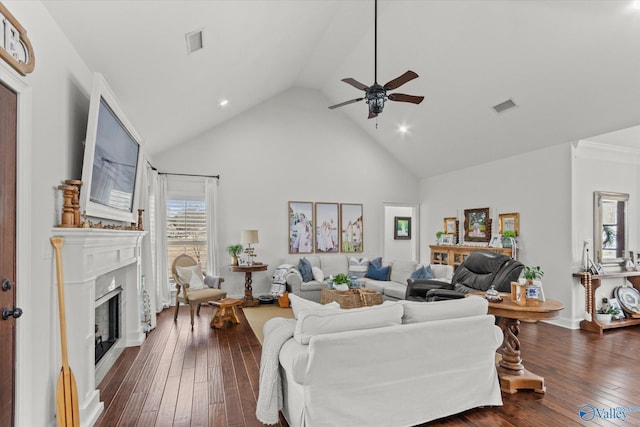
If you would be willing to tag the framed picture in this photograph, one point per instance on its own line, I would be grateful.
(509, 222)
(475, 225)
(351, 227)
(447, 239)
(450, 225)
(300, 227)
(402, 228)
(496, 241)
(327, 216)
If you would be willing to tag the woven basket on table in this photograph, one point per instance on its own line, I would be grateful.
(353, 298)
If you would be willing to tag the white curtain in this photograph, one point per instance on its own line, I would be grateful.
(148, 256)
(211, 201)
(163, 293)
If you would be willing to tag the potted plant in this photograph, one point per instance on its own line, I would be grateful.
(438, 236)
(533, 290)
(234, 251)
(340, 279)
(532, 273)
(506, 238)
(604, 315)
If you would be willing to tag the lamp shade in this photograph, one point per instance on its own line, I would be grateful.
(249, 236)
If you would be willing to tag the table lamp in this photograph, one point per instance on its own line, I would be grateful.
(248, 237)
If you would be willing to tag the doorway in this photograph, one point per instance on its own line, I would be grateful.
(400, 247)
(8, 161)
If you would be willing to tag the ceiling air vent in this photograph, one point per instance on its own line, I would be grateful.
(504, 106)
(194, 41)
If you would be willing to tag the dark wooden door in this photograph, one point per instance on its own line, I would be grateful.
(8, 124)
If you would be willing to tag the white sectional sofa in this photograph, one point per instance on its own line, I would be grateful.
(392, 290)
(397, 364)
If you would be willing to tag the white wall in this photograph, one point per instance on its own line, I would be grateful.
(600, 167)
(60, 85)
(290, 148)
(399, 249)
(535, 184)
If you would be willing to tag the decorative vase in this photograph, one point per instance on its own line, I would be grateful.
(603, 319)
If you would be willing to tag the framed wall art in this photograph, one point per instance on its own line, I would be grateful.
(509, 222)
(402, 228)
(450, 225)
(351, 227)
(300, 227)
(476, 225)
(327, 218)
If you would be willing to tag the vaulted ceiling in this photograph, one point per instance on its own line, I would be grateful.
(571, 67)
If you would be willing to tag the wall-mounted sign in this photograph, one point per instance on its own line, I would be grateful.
(15, 47)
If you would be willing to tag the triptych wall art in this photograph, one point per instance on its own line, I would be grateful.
(323, 227)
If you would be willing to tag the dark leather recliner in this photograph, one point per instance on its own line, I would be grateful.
(476, 273)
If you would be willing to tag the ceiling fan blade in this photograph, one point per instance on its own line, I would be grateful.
(345, 103)
(401, 97)
(399, 81)
(355, 83)
(372, 115)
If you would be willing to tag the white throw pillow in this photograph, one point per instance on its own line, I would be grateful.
(310, 324)
(358, 267)
(417, 312)
(318, 275)
(300, 304)
(191, 275)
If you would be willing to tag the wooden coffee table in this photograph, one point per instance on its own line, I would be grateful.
(513, 376)
(224, 310)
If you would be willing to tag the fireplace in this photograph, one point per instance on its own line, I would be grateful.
(102, 285)
(107, 322)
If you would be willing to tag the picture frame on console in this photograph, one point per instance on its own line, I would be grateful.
(351, 228)
(509, 222)
(447, 239)
(326, 227)
(402, 228)
(450, 225)
(301, 228)
(476, 225)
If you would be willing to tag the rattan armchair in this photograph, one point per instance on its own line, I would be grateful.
(192, 297)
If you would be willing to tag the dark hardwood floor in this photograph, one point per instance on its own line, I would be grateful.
(210, 378)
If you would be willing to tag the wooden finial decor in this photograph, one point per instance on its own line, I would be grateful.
(68, 218)
(140, 227)
(75, 200)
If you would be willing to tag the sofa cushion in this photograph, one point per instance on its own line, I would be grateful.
(313, 323)
(375, 285)
(318, 275)
(423, 272)
(401, 270)
(304, 266)
(358, 267)
(395, 290)
(417, 312)
(381, 273)
(299, 305)
(334, 265)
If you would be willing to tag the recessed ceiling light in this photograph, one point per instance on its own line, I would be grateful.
(224, 102)
(194, 41)
(403, 129)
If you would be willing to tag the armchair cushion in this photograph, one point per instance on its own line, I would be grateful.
(191, 275)
(305, 268)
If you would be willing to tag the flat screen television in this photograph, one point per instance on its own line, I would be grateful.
(112, 159)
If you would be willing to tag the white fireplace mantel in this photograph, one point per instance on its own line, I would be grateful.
(88, 254)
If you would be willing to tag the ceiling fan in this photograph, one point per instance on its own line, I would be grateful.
(376, 94)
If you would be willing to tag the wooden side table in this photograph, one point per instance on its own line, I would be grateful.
(249, 300)
(224, 310)
(513, 376)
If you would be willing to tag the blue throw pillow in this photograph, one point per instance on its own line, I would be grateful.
(304, 266)
(377, 262)
(375, 273)
(423, 273)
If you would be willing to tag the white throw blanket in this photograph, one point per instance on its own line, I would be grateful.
(276, 332)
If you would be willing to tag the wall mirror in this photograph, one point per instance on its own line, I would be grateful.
(610, 231)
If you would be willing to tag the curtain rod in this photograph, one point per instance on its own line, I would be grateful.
(181, 174)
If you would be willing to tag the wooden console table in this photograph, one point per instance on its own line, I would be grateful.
(249, 300)
(592, 282)
(453, 255)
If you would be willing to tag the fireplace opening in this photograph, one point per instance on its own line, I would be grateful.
(107, 326)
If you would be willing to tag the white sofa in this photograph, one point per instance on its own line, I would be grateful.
(396, 364)
(392, 290)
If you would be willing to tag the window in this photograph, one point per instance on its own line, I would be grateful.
(187, 231)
